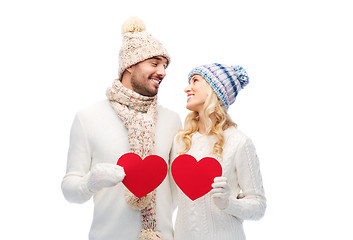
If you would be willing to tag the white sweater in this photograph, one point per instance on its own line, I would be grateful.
(202, 219)
(98, 135)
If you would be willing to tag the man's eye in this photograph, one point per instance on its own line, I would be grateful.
(154, 64)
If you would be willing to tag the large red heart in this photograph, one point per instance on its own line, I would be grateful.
(142, 176)
(193, 177)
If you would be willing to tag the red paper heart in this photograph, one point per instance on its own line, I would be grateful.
(193, 177)
(142, 176)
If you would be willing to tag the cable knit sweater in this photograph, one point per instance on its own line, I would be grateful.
(98, 135)
(202, 219)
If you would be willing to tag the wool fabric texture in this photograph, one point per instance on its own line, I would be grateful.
(98, 135)
(138, 45)
(225, 80)
(139, 114)
(202, 219)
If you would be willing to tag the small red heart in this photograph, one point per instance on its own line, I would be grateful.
(193, 177)
(142, 176)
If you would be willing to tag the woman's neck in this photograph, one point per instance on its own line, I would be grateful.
(201, 123)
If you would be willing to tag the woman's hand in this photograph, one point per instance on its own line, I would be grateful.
(220, 192)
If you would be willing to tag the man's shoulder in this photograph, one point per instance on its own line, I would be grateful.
(99, 108)
(168, 116)
(166, 111)
(96, 106)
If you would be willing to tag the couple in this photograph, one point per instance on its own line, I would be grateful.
(131, 121)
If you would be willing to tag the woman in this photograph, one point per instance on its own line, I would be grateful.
(209, 132)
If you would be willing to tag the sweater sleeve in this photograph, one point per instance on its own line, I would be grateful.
(173, 187)
(173, 154)
(253, 205)
(74, 184)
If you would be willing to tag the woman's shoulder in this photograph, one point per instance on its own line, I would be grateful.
(235, 136)
(234, 132)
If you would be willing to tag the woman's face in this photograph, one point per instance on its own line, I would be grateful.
(196, 93)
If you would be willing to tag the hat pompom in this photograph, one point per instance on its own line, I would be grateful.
(133, 24)
(242, 75)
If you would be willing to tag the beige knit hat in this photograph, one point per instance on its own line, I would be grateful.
(138, 45)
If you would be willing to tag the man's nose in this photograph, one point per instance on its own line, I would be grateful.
(161, 71)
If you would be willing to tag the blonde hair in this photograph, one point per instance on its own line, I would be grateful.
(216, 120)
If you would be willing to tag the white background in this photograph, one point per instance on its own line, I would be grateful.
(60, 56)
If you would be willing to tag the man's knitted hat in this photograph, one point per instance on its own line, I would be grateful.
(138, 45)
(225, 80)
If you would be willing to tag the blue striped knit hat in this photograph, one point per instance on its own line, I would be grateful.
(225, 80)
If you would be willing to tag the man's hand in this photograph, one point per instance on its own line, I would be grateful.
(104, 175)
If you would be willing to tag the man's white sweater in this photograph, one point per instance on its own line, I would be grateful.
(98, 135)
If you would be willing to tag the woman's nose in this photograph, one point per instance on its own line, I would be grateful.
(187, 89)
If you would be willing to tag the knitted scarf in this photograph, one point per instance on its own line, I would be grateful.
(139, 114)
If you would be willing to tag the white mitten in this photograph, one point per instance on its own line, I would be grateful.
(104, 175)
(220, 192)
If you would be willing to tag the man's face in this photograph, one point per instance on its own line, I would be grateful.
(146, 76)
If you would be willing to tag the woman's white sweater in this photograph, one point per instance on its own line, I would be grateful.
(98, 135)
(202, 219)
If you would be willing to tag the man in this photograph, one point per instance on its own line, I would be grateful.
(129, 121)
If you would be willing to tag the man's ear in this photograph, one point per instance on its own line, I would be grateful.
(130, 69)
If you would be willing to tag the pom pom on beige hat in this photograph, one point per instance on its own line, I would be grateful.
(138, 45)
